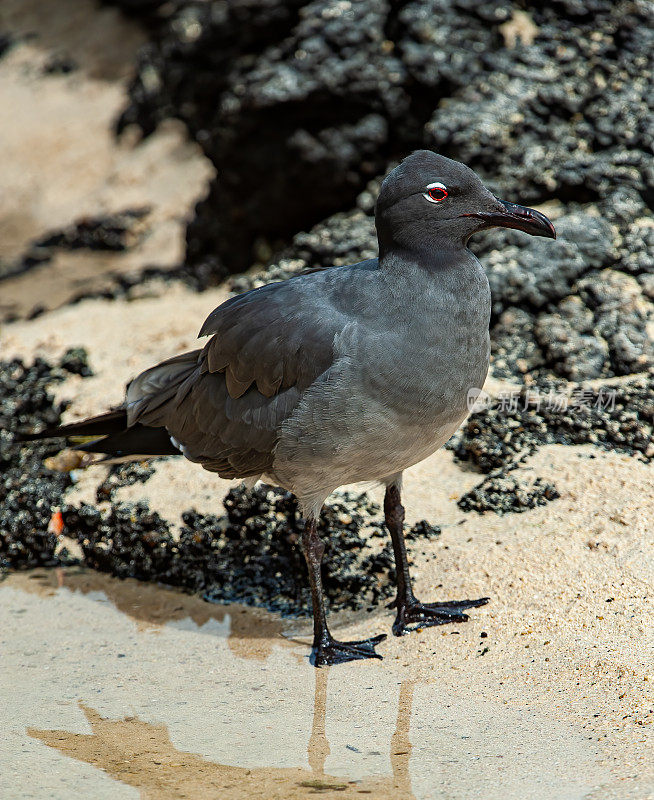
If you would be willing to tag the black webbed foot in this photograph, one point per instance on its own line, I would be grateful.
(330, 651)
(413, 616)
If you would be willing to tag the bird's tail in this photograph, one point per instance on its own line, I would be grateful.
(110, 436)
(102, 425)
(120, 436)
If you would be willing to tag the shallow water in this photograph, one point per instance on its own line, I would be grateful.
(117, 689)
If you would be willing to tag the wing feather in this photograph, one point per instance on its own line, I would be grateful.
(267, 347)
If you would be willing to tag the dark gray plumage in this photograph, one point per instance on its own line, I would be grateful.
(343, 375)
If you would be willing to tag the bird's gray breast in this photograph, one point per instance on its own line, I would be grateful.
(398, 387)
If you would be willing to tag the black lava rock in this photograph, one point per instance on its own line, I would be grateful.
(341, 239)
(291, 101)
(95, 233)
(124, 475)
(298, 104)
(76, 361)
(114, 232)
(28, 491)
(6, 43)
(250, 555)
(60, 64)
(503, 494)
(618, 417)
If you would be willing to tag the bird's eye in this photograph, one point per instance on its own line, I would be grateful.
(435, 192)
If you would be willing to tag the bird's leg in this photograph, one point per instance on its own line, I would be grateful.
(412, 614)
(327, 650)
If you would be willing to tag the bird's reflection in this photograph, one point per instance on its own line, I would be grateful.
(319, 749)
(252, 631)
(401, 741)
(400, 744)
(142, 755)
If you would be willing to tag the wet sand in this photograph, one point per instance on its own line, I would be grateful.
(132, 690)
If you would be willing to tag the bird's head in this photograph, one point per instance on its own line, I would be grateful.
(429, 200)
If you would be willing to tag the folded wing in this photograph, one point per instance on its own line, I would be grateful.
(224, 405)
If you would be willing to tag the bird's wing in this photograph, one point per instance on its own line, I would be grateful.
(274, 337)
(267, 347)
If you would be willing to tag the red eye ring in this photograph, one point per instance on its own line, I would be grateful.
(436, 192)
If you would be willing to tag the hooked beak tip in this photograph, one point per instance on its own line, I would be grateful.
(519, 218)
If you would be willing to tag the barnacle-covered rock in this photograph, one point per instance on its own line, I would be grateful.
(503, 494)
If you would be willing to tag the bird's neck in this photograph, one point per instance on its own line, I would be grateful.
(436, 278)
(430, 248)
(433, 258)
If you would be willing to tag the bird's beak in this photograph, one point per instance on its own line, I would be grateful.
(519, 217)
